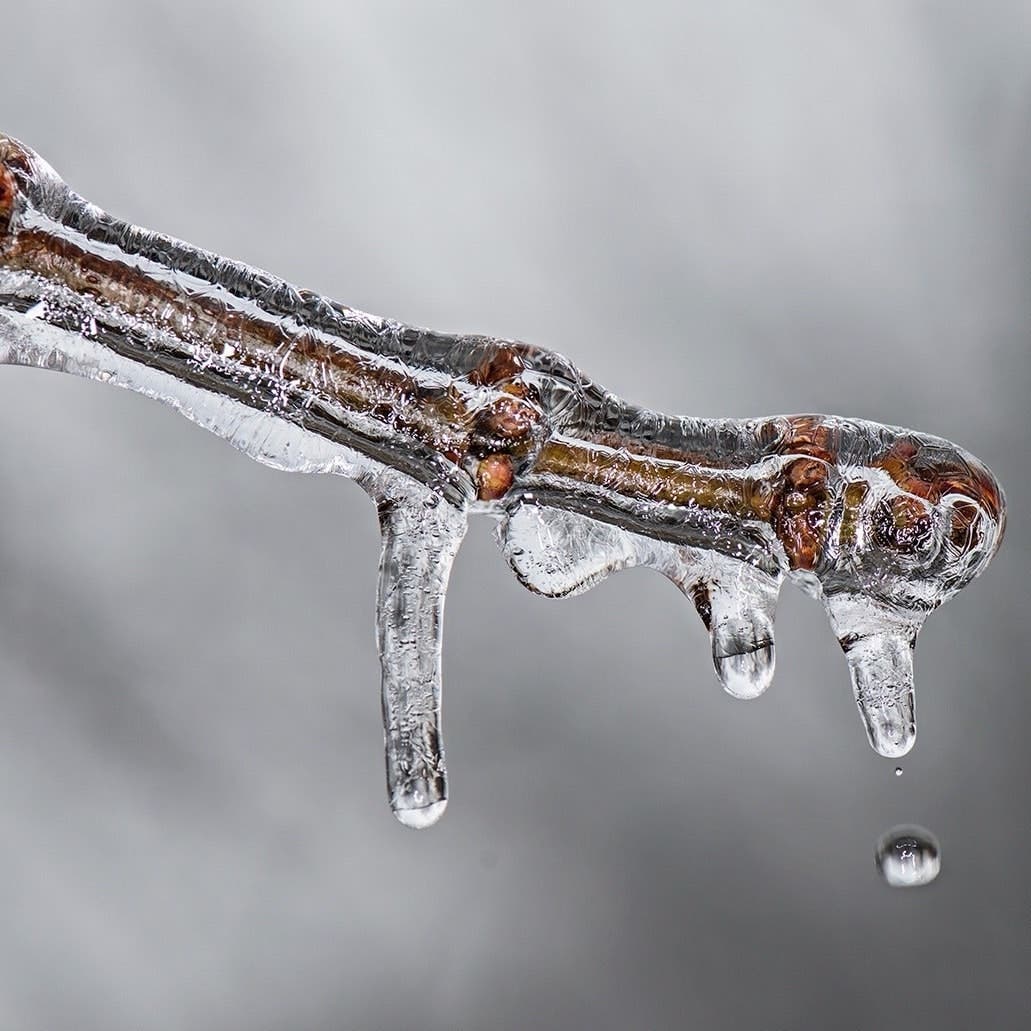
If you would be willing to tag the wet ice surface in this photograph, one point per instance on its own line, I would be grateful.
(908, 856)
(881, 524)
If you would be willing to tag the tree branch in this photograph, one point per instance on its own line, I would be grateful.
(883, 523)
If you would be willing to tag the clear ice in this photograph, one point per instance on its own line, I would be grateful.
(420, 542)
(908, 857)
(882, 524)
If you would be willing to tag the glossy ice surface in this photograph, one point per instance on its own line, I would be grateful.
(882, 524)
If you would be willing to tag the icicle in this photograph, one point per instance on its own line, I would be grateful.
(878, 645)
(419, 546)
(881, 667)
(737, 604)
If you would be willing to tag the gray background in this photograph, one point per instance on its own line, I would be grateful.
(720, 209)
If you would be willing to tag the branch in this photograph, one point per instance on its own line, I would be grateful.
(883, 524)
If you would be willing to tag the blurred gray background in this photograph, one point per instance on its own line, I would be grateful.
(719, 209)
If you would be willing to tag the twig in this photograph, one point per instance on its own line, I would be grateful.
(882, 523)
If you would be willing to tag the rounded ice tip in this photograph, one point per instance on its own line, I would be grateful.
(746, 674)
(423, 817)
(890, 735)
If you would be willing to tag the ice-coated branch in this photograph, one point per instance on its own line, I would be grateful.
(883, 524)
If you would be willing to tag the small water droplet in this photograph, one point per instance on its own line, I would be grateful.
(898, 771)
(908, 856)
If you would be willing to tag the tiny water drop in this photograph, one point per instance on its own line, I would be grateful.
(898, 771)
(908, 856)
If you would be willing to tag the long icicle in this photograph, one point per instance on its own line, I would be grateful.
(420, 541)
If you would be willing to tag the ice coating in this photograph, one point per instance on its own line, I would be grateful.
(883, 524)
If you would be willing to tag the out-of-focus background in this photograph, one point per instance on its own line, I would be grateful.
(719, 209)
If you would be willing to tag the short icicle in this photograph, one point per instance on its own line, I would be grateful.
(737, 605)
(879, 647)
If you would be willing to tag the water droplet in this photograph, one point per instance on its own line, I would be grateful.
(908, 856)
(898, 771)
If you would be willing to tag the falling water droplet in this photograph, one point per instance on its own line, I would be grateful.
(898, 771)
(908, 856)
